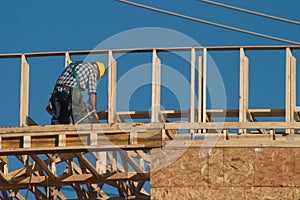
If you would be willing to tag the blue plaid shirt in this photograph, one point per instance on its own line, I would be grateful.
(85, 74)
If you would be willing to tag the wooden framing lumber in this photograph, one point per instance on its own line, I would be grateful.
(112, 87)
(290, 89)
(67, 59)
(243, 101)
(192, 88)
(24, 91)
(156, 74)
(200, 89)
(204, 86)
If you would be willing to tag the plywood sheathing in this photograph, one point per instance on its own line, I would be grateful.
(234, 167)
(221, 193)
(234, 173)
(197, 193)
(277, 167)
(187, 171)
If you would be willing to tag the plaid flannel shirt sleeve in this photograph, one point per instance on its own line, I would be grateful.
(92, 83)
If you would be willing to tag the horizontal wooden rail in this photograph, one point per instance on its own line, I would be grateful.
(142, 50)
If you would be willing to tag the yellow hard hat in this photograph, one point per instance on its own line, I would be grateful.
(101, 69)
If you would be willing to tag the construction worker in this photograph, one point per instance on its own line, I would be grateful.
(66, 103)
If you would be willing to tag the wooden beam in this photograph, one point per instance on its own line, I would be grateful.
(24, 91)
(112, 87)
(233, 125)
(41, 163)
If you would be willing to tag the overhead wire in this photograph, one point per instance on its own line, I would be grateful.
(209, 23)
(250, 12)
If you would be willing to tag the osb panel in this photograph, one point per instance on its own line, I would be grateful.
(188, 170)
(216, 167)
(197, 193)
(296, 193)
(178, 193)
(295, 176)
(268, 193)
(228, 193)
(274, 166)
(238, 166)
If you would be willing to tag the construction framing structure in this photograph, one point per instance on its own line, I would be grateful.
(113, 160)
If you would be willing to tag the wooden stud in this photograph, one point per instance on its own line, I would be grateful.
(67, 59)
(114, 161)
(225, 134)
(192, 88)
(204, 76)
(101, 162)
(112, 78)
(156, 74)
(243, 100)
(293, 91)
(200, 89)
(290, 81)
(93, 139)
(24, 91)
(272, 134)
(62, 140)
(133, 138)
(26, 141)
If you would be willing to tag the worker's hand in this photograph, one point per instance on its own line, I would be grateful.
(89, 106)
(96, 115)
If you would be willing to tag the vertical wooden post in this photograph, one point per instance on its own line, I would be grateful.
(290, 100)
(101, 162)
(67, 59)
(114, 161)
(243, 108)
(24, 91)
(192, 89)
(200, 90)
(112, 78)
(204, 77)
(155, 106)
(293, 91)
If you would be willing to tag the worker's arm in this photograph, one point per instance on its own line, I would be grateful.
(93, 102)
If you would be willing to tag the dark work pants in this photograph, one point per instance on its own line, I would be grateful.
(61, 112)
(62, 108)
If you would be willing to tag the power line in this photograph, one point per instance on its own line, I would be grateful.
(208, 22)
(251, 12)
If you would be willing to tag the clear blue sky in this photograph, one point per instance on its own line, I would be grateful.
(41, 26)
(45, 26)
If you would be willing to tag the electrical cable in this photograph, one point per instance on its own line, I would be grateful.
(209, 23)
(251, 12)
